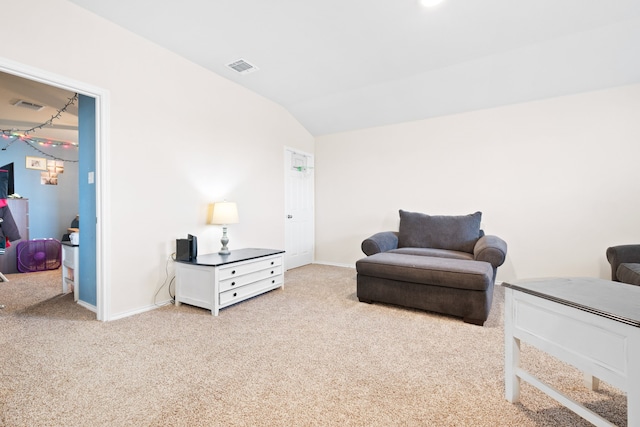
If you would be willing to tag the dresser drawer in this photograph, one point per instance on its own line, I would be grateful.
(245, 279)
(69, 251)
(69, 256)
(249, 267)
(235, 295)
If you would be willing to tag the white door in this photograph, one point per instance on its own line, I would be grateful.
(299, 240)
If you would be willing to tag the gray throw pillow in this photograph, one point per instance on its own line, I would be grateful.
(455, 233)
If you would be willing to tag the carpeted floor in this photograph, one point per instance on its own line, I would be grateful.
(306, 355)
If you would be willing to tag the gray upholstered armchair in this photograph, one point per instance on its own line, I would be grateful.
(625, 263)
(438, 263)
(467, 245)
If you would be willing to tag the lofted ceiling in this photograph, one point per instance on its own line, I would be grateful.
(340, 65)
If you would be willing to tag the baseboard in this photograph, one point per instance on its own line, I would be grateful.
(335, 264)
(140, 310)
(88, 306)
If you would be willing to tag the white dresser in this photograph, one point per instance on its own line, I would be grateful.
(214, 281)
(70, 268)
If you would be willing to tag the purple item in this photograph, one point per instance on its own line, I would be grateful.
(39, 255)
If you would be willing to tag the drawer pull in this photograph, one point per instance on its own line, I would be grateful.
(271, 262)
(233, 272)
(271, 271)
(273, 281)
(235, 294)
(233, 283)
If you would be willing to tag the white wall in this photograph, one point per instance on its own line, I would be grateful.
(180, 137)
(557, 179)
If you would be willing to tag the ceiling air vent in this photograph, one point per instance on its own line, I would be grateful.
(242, 66)
(26, 104)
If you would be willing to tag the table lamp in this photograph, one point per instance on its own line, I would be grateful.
(224, 213)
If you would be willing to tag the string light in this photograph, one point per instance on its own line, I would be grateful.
(34, 142)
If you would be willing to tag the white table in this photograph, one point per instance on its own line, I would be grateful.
(214, 281)
(589, 323)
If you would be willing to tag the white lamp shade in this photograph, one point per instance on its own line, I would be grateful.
(224, 213)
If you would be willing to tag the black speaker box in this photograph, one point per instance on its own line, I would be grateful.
(183, 250)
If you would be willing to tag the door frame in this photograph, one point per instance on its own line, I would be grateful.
(287, 151)
(103, 258)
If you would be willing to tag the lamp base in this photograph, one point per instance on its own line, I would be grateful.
(224, 240)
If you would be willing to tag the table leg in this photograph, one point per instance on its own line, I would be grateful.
(215, 294)
(511, 352)
(633, 391)
(591, 382)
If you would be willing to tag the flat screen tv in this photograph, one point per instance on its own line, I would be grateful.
(10, 182)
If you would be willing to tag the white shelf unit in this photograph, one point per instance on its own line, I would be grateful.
(70, 269)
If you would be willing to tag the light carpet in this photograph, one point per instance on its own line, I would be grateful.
(306, 355)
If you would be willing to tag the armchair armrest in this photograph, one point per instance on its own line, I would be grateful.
(380, 242)
(621, 254)
(491, 249)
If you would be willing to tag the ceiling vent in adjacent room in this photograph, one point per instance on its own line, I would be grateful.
(26, 104)
(242, 66)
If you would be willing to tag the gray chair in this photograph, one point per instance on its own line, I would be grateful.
(444, 264)
(625, 263)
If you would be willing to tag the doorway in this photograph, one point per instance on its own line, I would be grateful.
(299, 207)
(97, 100)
